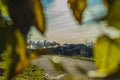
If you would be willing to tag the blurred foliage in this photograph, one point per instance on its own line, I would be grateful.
(25, 13)
(107, 55)
(113, 16)
(77, 7)
(106, 50)
(32, 72)
(16, 58)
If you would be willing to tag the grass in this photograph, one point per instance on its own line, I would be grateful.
(33, 72)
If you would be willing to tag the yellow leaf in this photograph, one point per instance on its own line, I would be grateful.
(3, 8)
(39, 15)
(106, 54)
(26, 13)
(21, 52)
(77, 7)
(16, 58)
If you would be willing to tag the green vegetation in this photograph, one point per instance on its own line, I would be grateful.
(33, 72)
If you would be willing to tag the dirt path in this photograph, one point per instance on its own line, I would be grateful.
(69, 65)
(74, 67)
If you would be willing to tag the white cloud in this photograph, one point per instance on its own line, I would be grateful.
(62, 26)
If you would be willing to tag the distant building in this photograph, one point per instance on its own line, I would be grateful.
(65, 49)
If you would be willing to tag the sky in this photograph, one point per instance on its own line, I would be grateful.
(63, 28)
